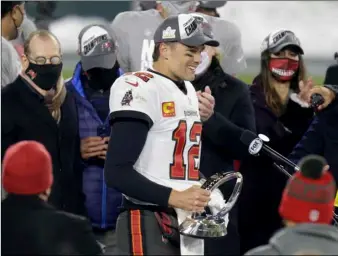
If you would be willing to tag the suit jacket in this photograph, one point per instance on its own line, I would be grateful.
(24, 116)
(31, 226)
(233, 113)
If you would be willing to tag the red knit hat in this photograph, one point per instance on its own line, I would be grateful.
(309, 195)
(27, 169)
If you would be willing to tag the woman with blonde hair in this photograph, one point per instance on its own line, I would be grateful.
(37, 107)
(283, 116)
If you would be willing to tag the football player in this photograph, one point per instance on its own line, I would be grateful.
(135, 32)
(153, 153)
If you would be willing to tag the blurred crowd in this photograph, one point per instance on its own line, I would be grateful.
(69, 155)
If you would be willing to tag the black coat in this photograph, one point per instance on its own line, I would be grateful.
(31, 226)
(263, 184)
(221, 141)
(24, 116)
(331, 76)
(321, 138)
(233, 113)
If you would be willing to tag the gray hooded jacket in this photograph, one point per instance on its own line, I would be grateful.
(301, 239)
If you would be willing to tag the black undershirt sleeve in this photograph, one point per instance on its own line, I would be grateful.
(127, 139)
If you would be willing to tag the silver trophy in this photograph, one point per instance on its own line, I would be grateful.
(202, 225)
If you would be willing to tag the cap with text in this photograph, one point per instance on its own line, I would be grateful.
(211, 4)
(97, 47)
(183, 29)
(279, 39)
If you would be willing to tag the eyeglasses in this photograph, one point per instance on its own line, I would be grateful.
(43, 60)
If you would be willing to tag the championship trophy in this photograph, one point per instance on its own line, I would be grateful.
(202, 225)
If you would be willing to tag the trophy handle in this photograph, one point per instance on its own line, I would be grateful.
(219, 179)
(206, 225)
(234, 196)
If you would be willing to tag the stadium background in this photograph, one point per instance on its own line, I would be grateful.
(315, 22)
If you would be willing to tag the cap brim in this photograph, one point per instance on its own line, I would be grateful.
(198, 40)
(100, 61)
(282, 46)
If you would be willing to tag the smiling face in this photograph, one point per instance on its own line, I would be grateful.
(181, 60)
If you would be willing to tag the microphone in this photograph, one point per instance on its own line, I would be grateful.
(316, 100)
(256, 145)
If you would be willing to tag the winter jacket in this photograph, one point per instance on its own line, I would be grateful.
(102, 203)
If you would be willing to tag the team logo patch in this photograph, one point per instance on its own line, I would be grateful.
(168, 109)
(127, 98)
(31, 74)
(169, 33)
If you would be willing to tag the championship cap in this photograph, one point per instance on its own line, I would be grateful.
(184, 29)
(97, 47)
(280, 39)
(211, 4)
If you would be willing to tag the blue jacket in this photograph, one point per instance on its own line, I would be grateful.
(102, 203)
(321, 138)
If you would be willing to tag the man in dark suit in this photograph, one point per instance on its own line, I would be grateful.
(221, 134)
(36, 107)
(29, 224)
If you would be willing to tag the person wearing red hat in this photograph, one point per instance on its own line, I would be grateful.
(307, 210)
(29, 224)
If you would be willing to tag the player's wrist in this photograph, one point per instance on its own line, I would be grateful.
(172, 198)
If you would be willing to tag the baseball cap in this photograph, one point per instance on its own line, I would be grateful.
(279, 39)
(211, 4)
(183, 28)
(27, 169)
(97, 47)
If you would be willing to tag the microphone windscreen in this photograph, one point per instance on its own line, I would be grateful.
(247, 137)
(312, 166)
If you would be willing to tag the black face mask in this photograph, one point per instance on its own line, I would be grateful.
(101, 78)
(44, 76)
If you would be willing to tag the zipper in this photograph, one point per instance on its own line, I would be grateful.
(104, 204)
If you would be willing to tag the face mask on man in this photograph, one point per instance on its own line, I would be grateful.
(45, 76)
(101, 78)
(204, 64)
(178, 7)
(283, 69)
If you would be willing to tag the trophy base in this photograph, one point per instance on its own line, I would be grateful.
(207, 226)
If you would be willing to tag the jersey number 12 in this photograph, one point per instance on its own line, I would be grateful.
(179, 169)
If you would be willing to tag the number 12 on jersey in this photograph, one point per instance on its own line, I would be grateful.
(179, 170)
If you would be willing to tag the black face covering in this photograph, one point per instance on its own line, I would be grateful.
(101, 78)
(44, 76)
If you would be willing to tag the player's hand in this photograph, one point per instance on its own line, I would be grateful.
(93, 147)
(193, 199)
(206, 104)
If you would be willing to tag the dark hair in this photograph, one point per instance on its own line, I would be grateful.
(7, 7)
(272, 98)
(156, 52)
